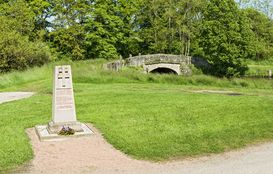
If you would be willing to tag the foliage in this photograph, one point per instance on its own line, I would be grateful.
(67, 35)
(17, 16)
(168, 26)
(103, 30)
(69, 41)
(109, 29)
(264, 6)
(43, 12)
(262, 27)
(18, 50)
(225, 38)
(18, 53)
(88, 29)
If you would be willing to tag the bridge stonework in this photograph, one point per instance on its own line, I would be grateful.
(176, 63)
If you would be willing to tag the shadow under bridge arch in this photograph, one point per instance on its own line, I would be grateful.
(163, 68)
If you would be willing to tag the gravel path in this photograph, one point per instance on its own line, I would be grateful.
(11, 96)
(95, 156)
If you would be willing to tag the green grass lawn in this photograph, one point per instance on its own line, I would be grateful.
(146, 116)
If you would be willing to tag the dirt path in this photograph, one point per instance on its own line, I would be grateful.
(11, 96)
(95, 156)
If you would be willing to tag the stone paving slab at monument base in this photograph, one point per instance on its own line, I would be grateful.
(45, 135)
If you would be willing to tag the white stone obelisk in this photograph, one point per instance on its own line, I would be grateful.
(63, 104)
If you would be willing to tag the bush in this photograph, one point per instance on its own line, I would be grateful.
(225, 38)
(18, 53)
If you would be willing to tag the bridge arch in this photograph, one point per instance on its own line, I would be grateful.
(163, 68)
(164, 71)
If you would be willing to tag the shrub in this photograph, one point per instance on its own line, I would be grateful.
(225, 38)
(18, 53)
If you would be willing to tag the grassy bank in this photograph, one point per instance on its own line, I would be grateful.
(39, 79)
(154, 117)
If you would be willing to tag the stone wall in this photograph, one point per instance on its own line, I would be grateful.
(157, 58)
(114, 66)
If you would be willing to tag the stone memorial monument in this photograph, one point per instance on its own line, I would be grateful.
(63, 107)
(63, 104)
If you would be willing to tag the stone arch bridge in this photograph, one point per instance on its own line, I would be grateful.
(158, 63)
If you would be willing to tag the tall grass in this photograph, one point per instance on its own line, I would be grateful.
(91, 71)
(28, 76)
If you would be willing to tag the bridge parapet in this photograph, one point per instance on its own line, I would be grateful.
(158, 58)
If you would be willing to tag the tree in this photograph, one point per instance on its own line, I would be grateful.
(225, 38)
(262, 26)
(188, 23)
(67, 35)
(20, 17)
(43, 10)
(18, 53)
(167, 26)
(69, 41)
(109, 29)
(128, 44)
(17, 50)
(265, 6)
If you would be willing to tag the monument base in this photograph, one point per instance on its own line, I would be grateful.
(45, 135)
(56, 127)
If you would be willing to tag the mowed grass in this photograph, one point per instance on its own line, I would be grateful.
(152, 122)
(149, 117)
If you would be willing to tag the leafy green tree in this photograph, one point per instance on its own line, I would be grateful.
(68, 34)
(188, 23)
(262, 26)
(18, 53)
(126, 10)
(20, 16)
(43, 10)
(103, 30)
(265, 6)
(168, 26)
(17, 50)
(69, 41)
(225, 38)
(109, 29)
